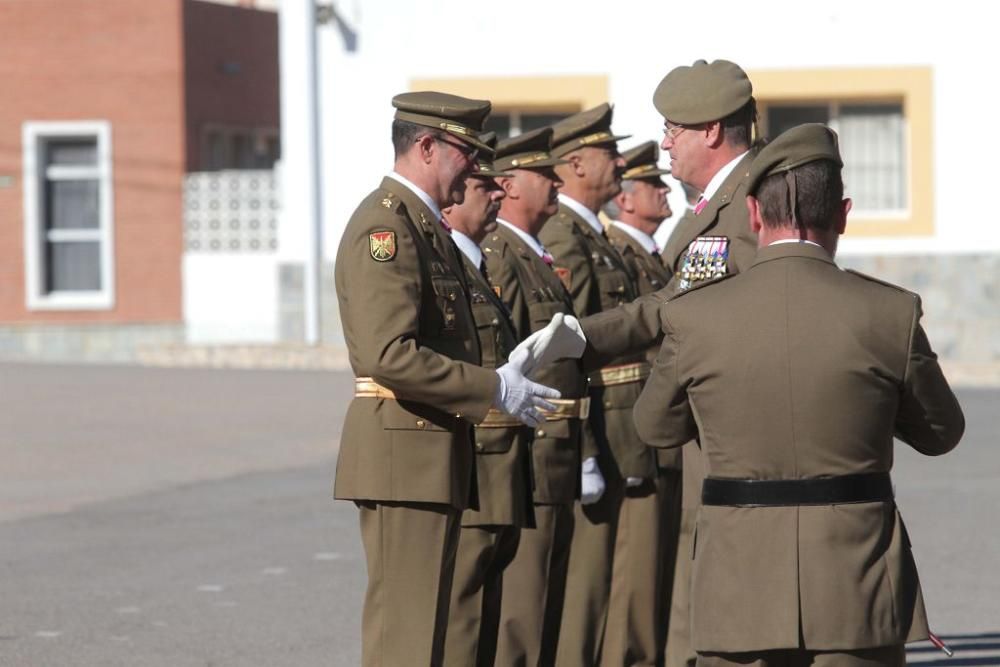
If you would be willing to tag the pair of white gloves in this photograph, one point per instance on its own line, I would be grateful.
(518, 396)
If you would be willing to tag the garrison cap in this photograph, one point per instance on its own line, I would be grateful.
(793, 148)
(486, 158)
(458, 116)
(702, 92)
(587, 128)
(641, 162)
(527, 151)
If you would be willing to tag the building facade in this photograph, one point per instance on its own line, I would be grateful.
(108, 105)
(879, 73)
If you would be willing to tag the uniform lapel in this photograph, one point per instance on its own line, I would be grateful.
(692, 226)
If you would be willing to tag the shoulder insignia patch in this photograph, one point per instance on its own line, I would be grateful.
(382, 245)
(387, 202)
(565, 275)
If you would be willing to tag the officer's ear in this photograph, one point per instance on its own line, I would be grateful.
(756, 222)
(623, 200)
(510, 186)
(845, 208)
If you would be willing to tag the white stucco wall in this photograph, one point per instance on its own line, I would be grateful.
(635, 43)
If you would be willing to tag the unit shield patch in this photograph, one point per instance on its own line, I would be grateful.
(382, 245)
(706, 259)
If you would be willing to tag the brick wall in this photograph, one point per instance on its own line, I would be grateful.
(114, 60)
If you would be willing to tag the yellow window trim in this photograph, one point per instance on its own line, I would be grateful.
(912, 85)
(567, 94)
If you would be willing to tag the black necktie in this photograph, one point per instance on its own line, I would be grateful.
(482, 270)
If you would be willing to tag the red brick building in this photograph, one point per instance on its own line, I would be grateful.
(107, 104)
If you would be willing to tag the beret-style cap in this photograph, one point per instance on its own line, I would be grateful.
(587, 128)
(460, 117)
(702, 92)
(529, 150)
(793, 148)
(641, 162)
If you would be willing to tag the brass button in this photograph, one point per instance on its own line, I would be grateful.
(452, 296)
(458, 415)
(540, 433)
(479, 446)
(495, 321)
(607, 404)
(421, 423)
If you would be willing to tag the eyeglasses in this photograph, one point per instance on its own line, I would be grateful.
(467, 151)
(673, 130)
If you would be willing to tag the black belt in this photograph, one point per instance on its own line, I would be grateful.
(866, 488)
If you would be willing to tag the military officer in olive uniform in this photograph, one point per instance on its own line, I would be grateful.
(709, 112)
(649, 524)
(521, 274)
(490, 534)
(406, 456)
(614, 457)
(800, 557)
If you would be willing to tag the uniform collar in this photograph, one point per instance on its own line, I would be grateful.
(423, 196)
(721, 176)
(528, 239)
(582, 211)
(468, 248)
(806, 250)
(643, 239)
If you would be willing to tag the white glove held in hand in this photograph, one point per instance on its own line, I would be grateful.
(591, 482)
(520, 397)
(562, 337)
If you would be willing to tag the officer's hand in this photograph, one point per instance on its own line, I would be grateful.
(562, 337)
(520, 397)
(591, 482)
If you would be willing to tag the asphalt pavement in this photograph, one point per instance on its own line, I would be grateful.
(183, 517)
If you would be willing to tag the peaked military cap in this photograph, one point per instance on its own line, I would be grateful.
(641, 162)
(702, 92)
(487, 157)
(460, 117)
(793, 148)
(527, 151)
(587, 128)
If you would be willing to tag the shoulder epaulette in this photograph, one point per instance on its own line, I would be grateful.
(880, 282)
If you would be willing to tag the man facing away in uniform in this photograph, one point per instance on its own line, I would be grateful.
(801, 556)
(406, 455)
(520, 271)
(640, 611)
(490, 534)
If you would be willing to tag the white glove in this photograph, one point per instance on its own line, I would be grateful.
(634, 481)
(591, 482)
(562, 337)
(520, 397)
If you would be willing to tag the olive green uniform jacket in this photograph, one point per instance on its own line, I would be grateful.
(533, 294)
(651, 276)
(502, 469)
(598, 280)
(826, 367)
(408, 324)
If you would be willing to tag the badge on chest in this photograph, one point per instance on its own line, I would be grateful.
(706, 258)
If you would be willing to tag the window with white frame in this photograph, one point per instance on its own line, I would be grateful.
(872, 144)
(68, 215)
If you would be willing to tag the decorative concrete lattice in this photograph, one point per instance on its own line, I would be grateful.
(231, 212)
